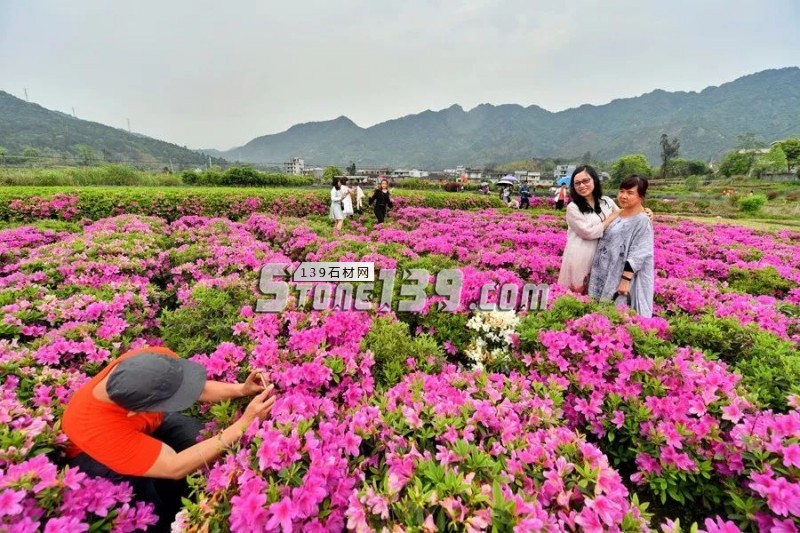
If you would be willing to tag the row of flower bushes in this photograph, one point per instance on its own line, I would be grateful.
(29, 204)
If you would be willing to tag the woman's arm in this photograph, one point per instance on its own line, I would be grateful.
(585, 229)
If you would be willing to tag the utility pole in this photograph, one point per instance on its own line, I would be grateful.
(129, 124)
(73, 113)
(26, 95)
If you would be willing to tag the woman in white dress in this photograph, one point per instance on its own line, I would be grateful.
(337, 212)
(359, 198)
(347, 199)
(588, 216)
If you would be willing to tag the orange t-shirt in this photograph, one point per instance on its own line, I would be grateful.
(106, 433)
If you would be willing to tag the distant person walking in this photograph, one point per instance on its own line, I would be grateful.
(561, 197)
(359, 198)
(382, 200)
(337, 211)
(347, 198)
(524, 197)
(505, 195)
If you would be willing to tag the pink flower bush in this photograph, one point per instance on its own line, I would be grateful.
(542, 446)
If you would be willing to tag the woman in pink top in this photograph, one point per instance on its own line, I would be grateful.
(588, 216)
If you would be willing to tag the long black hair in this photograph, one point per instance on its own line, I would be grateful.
(580, 201)
(337, 183)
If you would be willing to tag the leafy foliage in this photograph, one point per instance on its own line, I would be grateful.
(762, 281)
(392, 347)
(630, 165)
(752, 203)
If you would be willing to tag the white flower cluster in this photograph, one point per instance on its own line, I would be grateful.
(493, 344)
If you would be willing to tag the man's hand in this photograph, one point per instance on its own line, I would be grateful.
(254, 384)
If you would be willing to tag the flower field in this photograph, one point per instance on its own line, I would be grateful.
(578, 417)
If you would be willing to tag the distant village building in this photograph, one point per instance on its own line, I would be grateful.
(409, 173)
(532, 178)
(294, 166)
(314, 172)
(372, 172)
(563, 171)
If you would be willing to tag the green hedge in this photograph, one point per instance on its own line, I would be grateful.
(127, 176)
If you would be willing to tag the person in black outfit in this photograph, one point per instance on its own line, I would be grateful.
(382, 201)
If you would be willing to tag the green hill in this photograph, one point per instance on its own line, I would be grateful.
(53, 134)
(707, 123)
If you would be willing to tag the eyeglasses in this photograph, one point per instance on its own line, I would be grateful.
(582, 183)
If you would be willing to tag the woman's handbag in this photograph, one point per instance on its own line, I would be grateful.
(618, 295)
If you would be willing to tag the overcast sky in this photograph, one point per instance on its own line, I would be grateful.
(215, 74)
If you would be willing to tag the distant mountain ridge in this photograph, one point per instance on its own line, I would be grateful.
(707, 123)
(24, 124)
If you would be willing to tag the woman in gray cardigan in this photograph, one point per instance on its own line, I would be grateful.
(623, 265)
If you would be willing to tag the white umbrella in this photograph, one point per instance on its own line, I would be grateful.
(504, 182)
(510, 177)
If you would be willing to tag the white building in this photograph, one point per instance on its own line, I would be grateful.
(294, 166)
(414, 173)
(314, 172)
(563, 171)
(532, 178)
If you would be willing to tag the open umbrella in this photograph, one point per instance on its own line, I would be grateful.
(564, 181)
(510, 177)
(504, 182)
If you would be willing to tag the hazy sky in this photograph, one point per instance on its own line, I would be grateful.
(215, 74)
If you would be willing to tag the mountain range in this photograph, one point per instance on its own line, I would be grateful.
(707, 123)
(55, 134)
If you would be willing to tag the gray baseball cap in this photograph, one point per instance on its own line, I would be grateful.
(156, 383)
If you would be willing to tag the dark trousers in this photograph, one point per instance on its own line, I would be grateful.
(178, 432)
(560, 204)
(380, 212)
(524, 203)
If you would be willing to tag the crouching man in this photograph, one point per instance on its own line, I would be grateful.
(125, 425)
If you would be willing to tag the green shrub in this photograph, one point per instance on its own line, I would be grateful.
(205, 320)
(693, 183)
(392, 345)
(752, 204)
(243, 176)
(759, 282)
(769, 365)
(445, 327)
